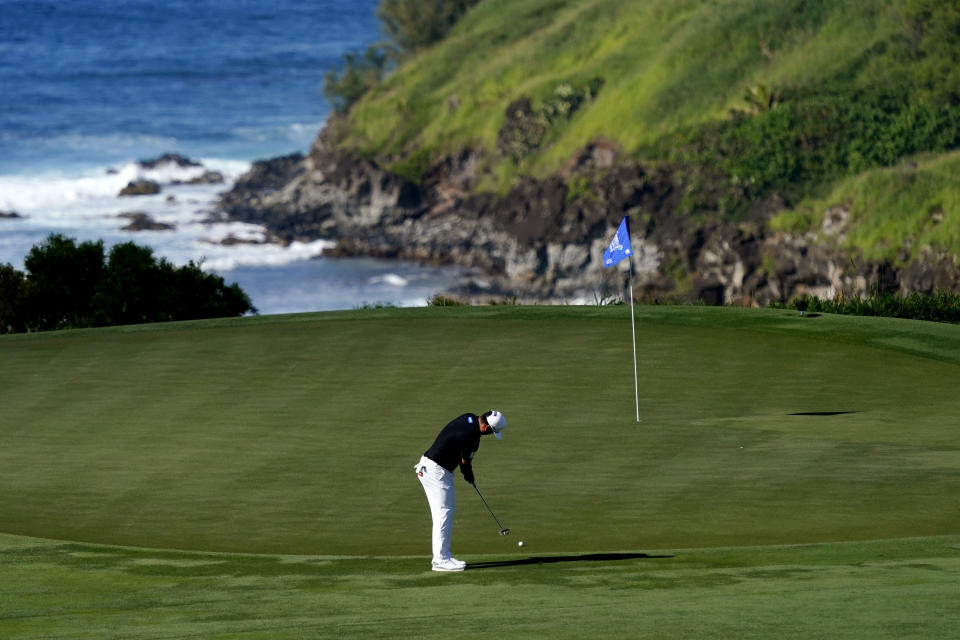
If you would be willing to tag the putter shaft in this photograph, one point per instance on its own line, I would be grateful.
(503, 530)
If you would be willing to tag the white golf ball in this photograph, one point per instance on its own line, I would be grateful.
(520, 544)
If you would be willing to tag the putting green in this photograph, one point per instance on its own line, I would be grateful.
(297, 434)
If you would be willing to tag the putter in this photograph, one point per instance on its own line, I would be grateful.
(503, 530)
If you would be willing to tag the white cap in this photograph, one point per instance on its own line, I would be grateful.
(497, 422)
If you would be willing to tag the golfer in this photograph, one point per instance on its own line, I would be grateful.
(455, 446)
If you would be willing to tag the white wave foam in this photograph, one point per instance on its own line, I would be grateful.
(296, 132)
(391, 279)
(165, 173)
(231, 169)
(87, 207)
(57, 191)
(221, 258)
(38, 194)
(279, 278)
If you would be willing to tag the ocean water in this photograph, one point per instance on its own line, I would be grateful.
(90, 88)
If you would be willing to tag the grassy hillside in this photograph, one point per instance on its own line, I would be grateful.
(665, 65)
(824, 92)
(894, 211)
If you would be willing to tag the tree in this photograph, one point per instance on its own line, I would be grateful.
(129, 290)
(414, 24)
(14, 292)
(64, 277)
(356, 77)
(69, 285)
(409, 25)
(193, 294)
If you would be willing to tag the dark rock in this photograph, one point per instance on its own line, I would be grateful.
(177, 160)
(140, 221)
(9, 215)
(710, 292)
(207, 177)
(326, 195)
(140, 188)
(448, 183)
(232, 241)
(933, 274)
(169, 158)
(544, 240)
(269, 175)
(599, 154)
(249, 199)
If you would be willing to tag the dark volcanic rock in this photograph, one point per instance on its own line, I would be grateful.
(169, 158)
(326, 195)
(140, 188)
(207, 177)
(246, 201)
(544, 240)
(172, 160)
(140, 221)
(269, 175)
(175, 159)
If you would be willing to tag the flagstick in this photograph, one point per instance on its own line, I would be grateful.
(633, 330)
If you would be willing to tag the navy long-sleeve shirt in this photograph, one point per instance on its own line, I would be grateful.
(456, 443)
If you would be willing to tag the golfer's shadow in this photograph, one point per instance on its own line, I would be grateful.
(821, 413)
(589, 557)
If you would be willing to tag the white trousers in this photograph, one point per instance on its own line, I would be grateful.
(438, 485)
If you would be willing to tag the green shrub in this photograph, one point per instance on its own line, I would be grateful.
(357, 75)
(65, 277)
(581, 187)
(440, 300)
(69, 285)
(14, 292)
(806, 140)
(527, 125)
(793, 221)
(409, 25)
(413, 24)
(938, 307)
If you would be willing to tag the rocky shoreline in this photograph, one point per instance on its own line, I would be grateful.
(544, 240)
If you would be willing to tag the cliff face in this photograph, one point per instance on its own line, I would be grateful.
(544, 240)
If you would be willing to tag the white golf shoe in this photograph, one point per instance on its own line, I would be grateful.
(449, 564)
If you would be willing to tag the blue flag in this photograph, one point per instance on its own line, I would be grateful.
(619, 247)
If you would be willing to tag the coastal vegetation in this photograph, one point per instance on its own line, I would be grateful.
(69, 285)
(798, 104)
(942, 307)
(409, 25)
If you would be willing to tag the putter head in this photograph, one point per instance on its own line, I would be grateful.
(504, 532)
